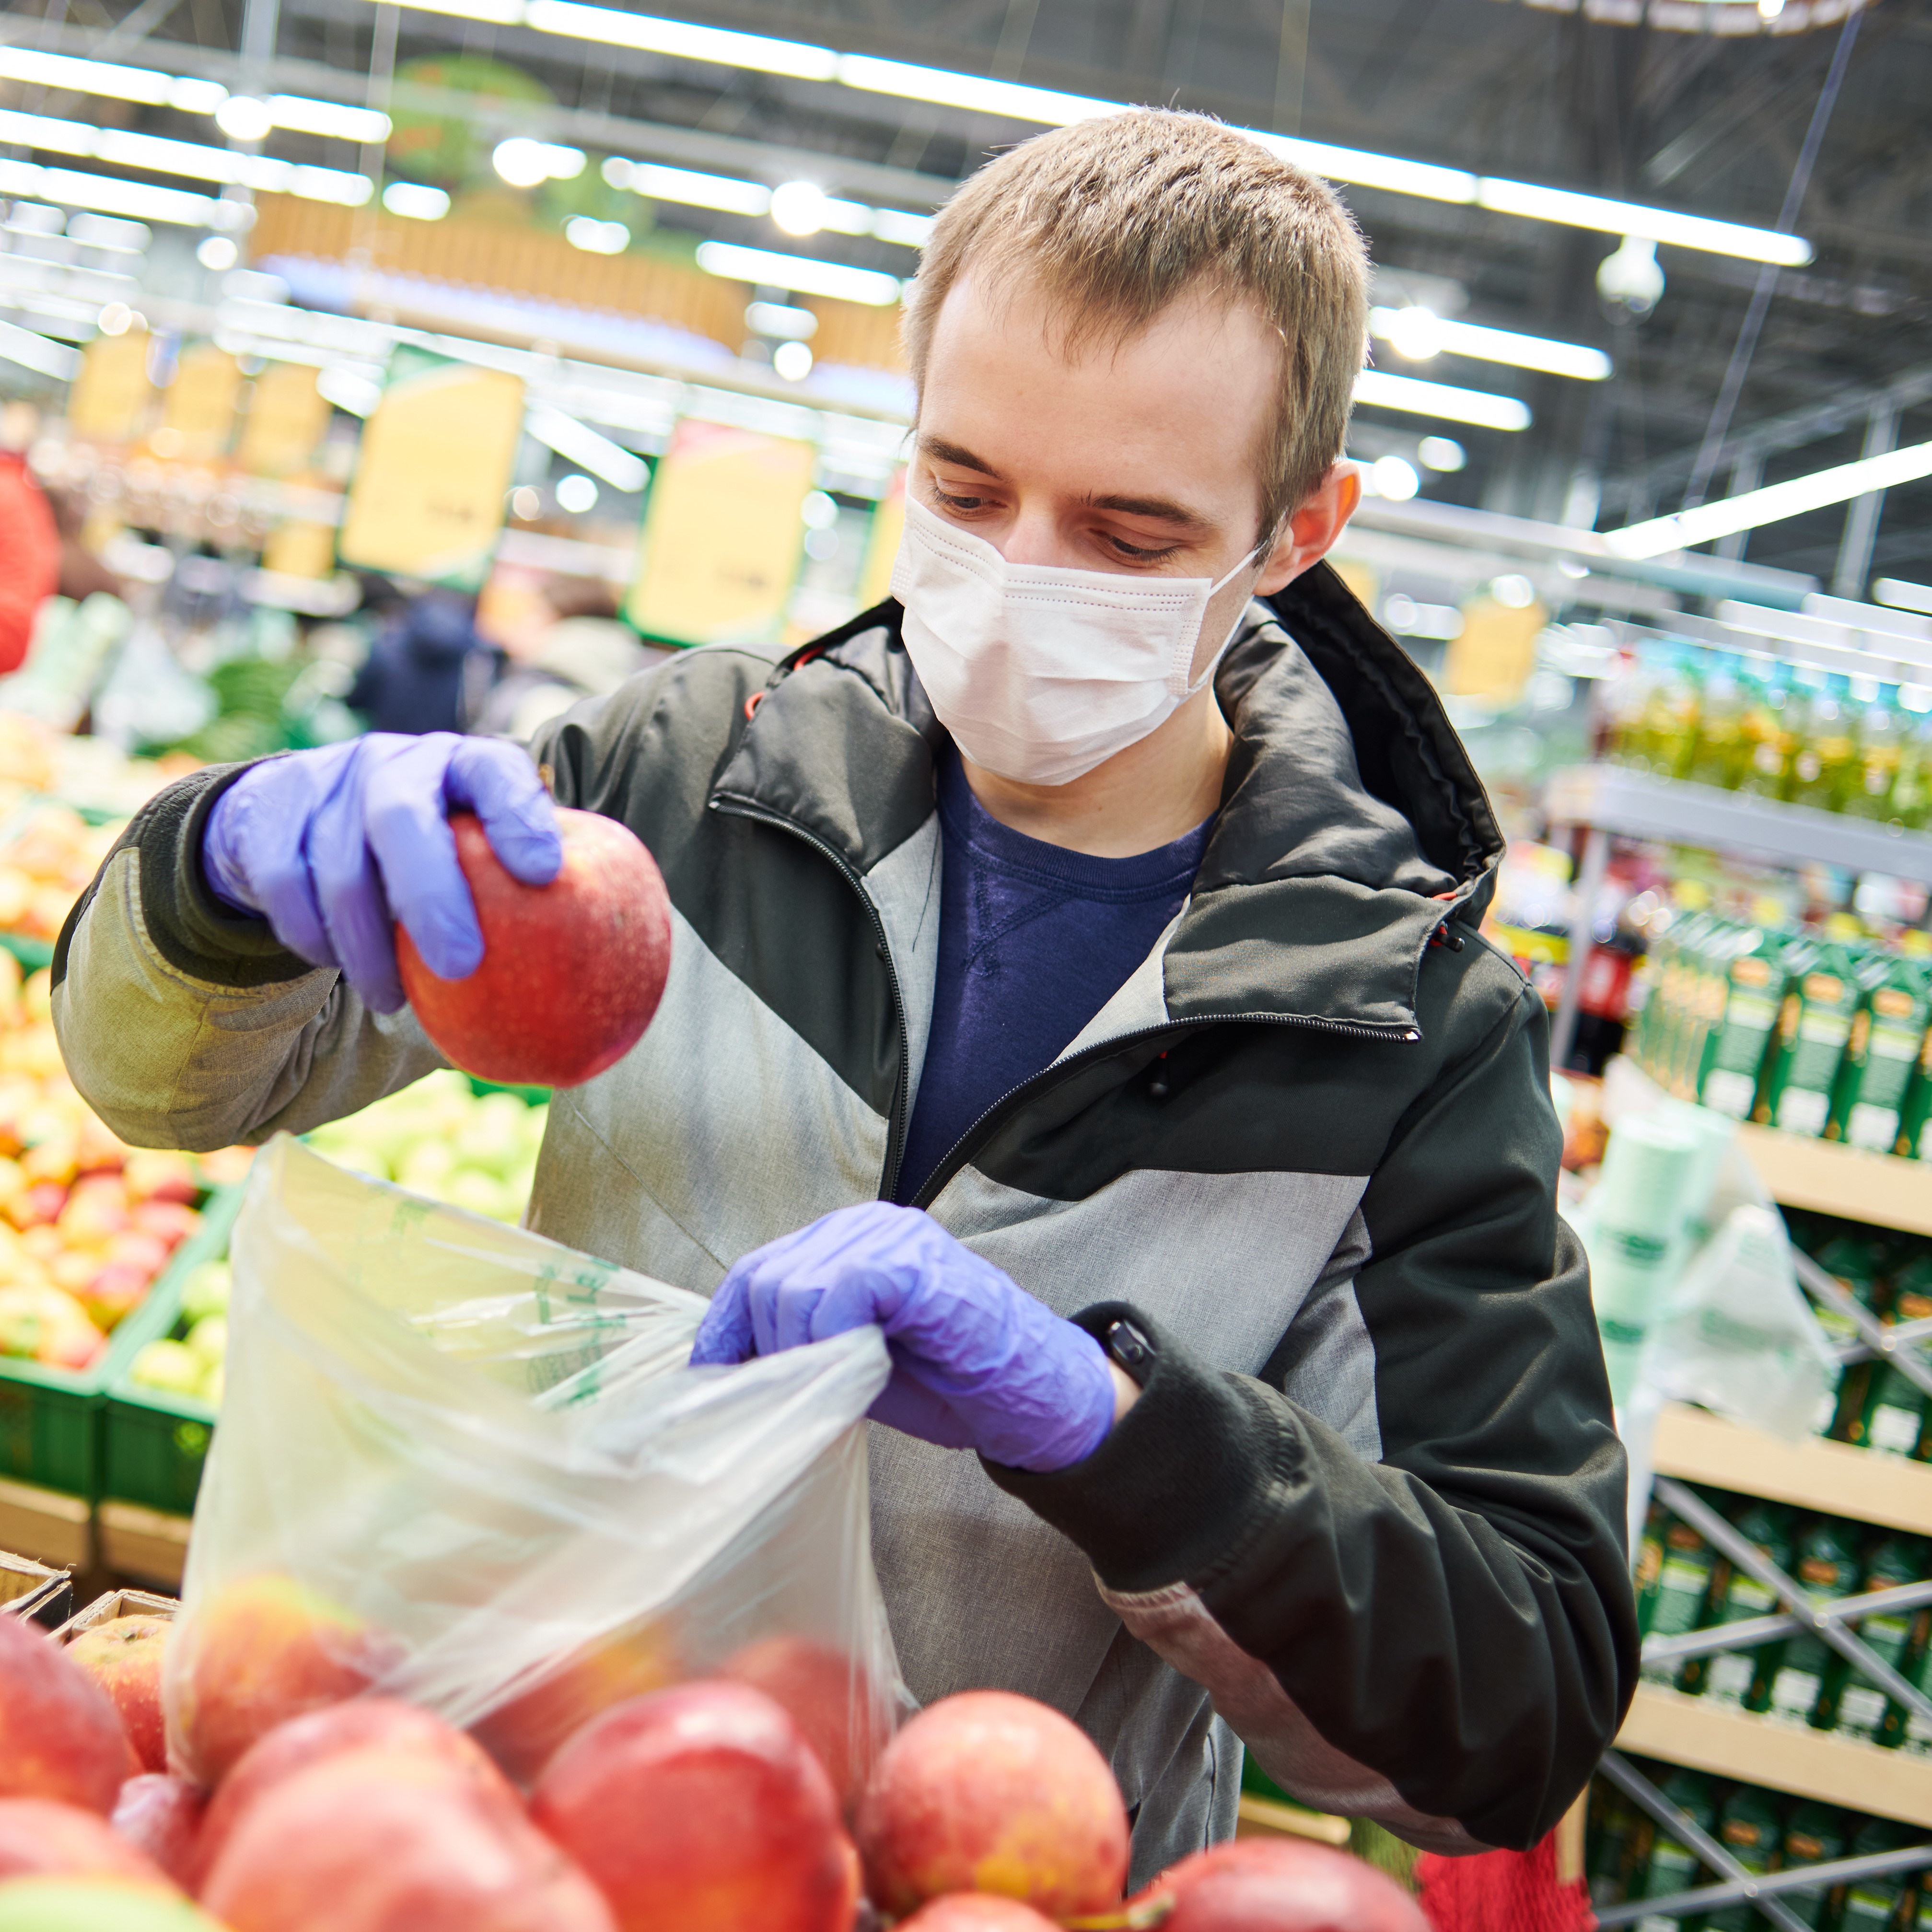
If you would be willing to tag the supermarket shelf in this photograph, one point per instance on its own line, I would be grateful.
(1833, 1477)
(1731, 1743)
(45, 1524)
(1263, 1818)
(1635, 805)
(144, 1543)
(1831, 1178)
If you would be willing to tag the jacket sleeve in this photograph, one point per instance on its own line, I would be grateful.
(184, 1025)
(1444, 1639)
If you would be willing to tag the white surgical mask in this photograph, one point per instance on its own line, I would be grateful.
(1041, 673)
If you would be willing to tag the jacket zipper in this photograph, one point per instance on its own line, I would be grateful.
(1041, 1082)
(736, 808)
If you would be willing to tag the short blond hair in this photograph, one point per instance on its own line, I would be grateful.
(1114, 218)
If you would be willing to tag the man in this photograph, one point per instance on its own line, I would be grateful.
(1124, 925)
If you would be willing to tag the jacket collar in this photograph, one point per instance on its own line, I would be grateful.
(1352, 822)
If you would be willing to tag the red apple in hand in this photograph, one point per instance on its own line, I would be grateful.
(60, 1735)
(124, 1656)
(702, 1809)
(572, 971)
(990, 1792)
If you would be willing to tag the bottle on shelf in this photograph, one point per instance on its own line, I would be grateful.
(1684, 1579)
(1883, 732)
(1814, 1835)
(1752, 1830)
(1671, 1866)
(1880, 1904)
(1790, 1672)
(1720, 754)
(1847, 1702)
(1735, 1593)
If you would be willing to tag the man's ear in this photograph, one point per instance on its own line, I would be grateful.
(1309, 535)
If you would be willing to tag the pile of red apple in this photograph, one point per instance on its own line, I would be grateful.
(733, 1803)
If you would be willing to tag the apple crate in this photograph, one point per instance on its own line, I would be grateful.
(116, 1603)
(153, 1443)
(34, 1592)
(50, 1418)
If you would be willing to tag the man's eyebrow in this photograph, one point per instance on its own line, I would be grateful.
(1159, 508)
(953, 453)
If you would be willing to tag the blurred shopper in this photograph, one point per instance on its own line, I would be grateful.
(427, 669)
(575, 647)
(30, 543)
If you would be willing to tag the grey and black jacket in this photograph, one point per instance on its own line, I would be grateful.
(1367, 1516)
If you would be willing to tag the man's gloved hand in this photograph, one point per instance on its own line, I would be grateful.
(977, 1362)
(332, 846)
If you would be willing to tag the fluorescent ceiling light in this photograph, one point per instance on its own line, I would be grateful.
(590, 449)
(416, 201)
(140, 201)
(1420, 333)
(120, 147)
(683, 40)
(35, 351)
(1647, 224)
(120, 83)
(944, 88)
(350, 388)
(1772, 505)
(1380, 390)
(330, 119)
(798, 273)
(524, 163)
(687, 186)
(595, 237)
(1366, 170)
(1902, 595)
(895, 224)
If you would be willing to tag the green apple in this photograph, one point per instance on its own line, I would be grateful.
(97, 1905)
(172, 1367)
(208, 1339)
(206, 1291)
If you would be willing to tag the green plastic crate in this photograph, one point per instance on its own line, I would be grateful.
(153, 1444)
(50, 1419)
(32, 954)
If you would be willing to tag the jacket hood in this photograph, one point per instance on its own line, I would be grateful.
(1351, 824)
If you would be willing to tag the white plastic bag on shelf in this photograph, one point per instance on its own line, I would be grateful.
(1739, 1336)
(464, 1465)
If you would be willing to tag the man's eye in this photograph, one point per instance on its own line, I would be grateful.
(958, 502)
(1159, 554)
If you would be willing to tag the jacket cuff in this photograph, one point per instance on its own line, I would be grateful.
(1182, 1481)
(190, 929)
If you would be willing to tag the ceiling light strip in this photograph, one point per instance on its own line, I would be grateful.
(1378, 389)
(1772, 504)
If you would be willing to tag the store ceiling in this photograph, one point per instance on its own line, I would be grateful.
(1711, 123)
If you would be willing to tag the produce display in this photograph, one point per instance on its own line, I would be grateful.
(86, 1223)
(48, 854)
(440, 1137)
(192, 1358)
(703, 1806)
(572, 971)
(1752, 725)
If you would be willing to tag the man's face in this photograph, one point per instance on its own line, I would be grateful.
(1139, 457)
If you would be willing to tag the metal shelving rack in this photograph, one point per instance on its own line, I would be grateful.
(1611, 801)
(1831, 1478)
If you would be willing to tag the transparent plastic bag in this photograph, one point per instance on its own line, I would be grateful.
(1739, 1336)
(462, 1465)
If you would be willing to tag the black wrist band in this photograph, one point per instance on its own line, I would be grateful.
(1127, 1346)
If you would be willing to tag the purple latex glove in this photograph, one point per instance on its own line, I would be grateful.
(977, 1362)
(332, 846)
